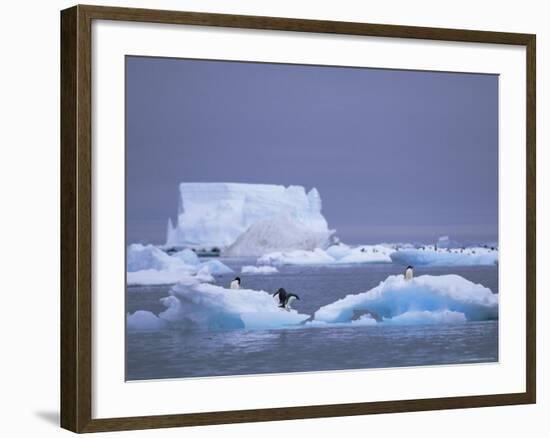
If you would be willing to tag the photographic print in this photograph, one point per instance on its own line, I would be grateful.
(285, 218)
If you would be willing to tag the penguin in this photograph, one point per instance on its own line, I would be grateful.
(235, 284)
(285, 298)
(409, 273)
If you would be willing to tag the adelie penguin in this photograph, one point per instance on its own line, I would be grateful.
(236, 283)
(409, 273)
(285, 298)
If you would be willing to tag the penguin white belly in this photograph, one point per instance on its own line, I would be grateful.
(409, 274)
(289, 302)
(234, 285)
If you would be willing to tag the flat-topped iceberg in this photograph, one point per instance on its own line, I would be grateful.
(424, 299)
(199, 306)
(431, 256)
(333, 255)
(216, 214)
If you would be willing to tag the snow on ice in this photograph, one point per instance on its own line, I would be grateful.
(430, 256)
(149, 265)
(259, 270)
(334, 255)
(193, 305)
(424, 299)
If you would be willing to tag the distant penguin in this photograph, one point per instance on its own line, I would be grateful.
(285, 298)
(409, 273)
(235, 284)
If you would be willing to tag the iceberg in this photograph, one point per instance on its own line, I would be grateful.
(427, 317)
(214, 215)
(297, 257)
(259, 270)
(200, 306)
(187, 256)
(214, 267)
(334, 255)
(152, 277)
(281, 233)
(144, 321)
(149, 265)
(431, 256)
(361, 254)
(424, 299)
(447, 299)
(143, 257)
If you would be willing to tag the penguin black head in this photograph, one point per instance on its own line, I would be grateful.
(281, 289)
(238, 279)
(409, 267)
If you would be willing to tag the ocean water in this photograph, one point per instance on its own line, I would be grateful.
(173, 353)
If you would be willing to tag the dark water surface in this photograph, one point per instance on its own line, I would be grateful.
(174, 353)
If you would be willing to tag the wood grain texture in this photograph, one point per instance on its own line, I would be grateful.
(76, 218)
(69, 329)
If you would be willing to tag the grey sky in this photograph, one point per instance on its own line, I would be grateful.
(396, 155)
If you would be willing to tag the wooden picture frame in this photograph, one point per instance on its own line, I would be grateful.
(76, 217)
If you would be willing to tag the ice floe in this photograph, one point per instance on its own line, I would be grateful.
(334, 255)
(143, 320)
(424, 299)
(209, 307)
(152, 277)
(446, 299)
(259, 270)
(214, 267)
(143, 257)
(188, 256)
(149, 265)
(430, 256)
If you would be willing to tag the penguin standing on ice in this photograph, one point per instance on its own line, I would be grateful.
(235, 284)
(285, 298)
(409, 273)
